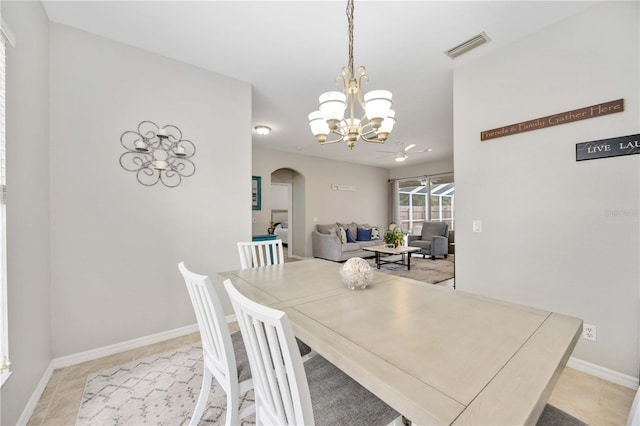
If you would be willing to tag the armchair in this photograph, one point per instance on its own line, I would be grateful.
(433, 241)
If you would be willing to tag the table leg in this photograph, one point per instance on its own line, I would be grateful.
(408, 261)
(378, 259)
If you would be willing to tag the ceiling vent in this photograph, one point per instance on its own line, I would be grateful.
(466, 46)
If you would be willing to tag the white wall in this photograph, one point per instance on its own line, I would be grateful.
(116, 243)
(28, 241)
(367, 204)
(549, 237)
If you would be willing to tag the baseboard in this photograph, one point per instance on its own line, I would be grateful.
(604, 373)
(35, 397)
(90, 355)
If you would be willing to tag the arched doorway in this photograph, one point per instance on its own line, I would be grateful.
(288, 209)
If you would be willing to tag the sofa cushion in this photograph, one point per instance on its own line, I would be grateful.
(368, 243)
(324, 229)
(350, 247)
(364, 234)
(350, 239)
(364, 226)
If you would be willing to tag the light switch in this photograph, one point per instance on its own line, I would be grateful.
(477, 225)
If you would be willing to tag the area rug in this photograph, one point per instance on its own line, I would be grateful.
(157, 390)
(162, 390)
(425, 270)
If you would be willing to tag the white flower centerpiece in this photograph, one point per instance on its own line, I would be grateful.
(356, 273)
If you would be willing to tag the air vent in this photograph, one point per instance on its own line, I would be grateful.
(466, 46)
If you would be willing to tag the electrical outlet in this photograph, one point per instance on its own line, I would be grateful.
(589, 332)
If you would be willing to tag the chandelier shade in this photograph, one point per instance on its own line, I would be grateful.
(336, 114)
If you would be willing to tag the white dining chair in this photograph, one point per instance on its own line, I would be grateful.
(288, 392)
(224, 354)
(260, 253)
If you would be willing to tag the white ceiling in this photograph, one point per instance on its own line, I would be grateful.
(291, 51)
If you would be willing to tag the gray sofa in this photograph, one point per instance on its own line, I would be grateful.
(326, 242)
(433, 241)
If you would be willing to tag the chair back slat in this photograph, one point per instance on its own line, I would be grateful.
(260, 253)
(216, 343)
(280, 382)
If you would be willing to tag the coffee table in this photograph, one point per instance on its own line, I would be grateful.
(402, 250)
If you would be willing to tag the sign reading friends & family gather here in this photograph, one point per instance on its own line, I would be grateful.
(555, 120)
(614, 147)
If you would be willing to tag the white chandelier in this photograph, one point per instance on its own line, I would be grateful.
(157, 154)
(377, 119)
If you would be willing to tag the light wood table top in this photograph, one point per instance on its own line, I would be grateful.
(437, 355)
(392, 250)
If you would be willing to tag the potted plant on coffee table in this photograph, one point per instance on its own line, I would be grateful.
(394, 236)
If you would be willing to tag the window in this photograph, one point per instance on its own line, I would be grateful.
(5, 37)
(426, 198)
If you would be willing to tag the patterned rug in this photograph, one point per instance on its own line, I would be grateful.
(162, 390)
(157, 390)
(425, 270)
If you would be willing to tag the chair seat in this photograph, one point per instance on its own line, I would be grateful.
(337, 399)
(420, 243)
(242, 361)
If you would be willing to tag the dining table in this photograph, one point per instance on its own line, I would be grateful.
(436, 355)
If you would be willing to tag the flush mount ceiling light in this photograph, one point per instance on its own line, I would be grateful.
(262, 130)
(157, 154)
(377, 119)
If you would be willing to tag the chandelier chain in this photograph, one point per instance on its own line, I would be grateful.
(350, 7)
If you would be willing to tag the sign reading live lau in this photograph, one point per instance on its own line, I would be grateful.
(614, 147)
(555, 120)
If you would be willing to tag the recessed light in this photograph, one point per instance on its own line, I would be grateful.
(262, 130)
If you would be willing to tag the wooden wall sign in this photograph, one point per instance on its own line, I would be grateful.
(614, 147)
(555, 120)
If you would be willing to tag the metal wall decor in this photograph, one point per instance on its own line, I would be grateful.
(157, 154)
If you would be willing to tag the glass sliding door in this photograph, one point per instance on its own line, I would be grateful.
(428, 198)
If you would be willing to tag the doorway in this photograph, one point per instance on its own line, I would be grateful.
(288, 209)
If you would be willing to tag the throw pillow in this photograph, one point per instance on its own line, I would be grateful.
(350, 226)
(364, 234)
(349, 237)
(343, 235)
(375, 233)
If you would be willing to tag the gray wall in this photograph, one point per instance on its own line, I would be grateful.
(28, 240)
(115, 243)
(557, 234)
(313, 197)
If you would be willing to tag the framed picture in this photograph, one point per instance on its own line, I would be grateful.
(256, 192)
